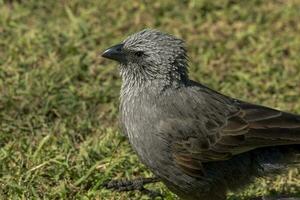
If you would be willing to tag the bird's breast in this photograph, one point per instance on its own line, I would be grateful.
(135, 116)
(140, 118)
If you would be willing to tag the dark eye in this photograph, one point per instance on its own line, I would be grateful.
(139, 53)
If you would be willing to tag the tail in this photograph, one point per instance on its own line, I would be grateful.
(270, 127)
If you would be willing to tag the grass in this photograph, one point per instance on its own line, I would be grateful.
(59, 137)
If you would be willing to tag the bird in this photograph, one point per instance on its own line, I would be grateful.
(198, 142)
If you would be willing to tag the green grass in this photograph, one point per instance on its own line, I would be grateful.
(59, 137)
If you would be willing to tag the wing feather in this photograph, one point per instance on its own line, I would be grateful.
(248, 128)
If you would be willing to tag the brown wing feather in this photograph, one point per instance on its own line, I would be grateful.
(250, 128)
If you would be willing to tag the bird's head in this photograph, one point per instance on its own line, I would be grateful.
(149, 55)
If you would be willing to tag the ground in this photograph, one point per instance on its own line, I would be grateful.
(59, 137)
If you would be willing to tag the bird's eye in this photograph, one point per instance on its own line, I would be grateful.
(139, 53)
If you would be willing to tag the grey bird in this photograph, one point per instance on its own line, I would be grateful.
(198, 142)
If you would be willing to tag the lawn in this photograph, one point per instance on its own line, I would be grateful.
(59, 135)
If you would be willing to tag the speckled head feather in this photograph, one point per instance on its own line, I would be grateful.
(151, 54)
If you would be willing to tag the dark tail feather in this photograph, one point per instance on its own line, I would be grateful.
(274, 136)
(270, 127)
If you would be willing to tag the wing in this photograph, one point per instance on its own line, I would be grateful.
(244, 128)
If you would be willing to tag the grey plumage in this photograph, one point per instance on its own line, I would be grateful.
(199, 142)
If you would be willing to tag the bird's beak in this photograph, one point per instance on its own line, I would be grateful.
(115, 53)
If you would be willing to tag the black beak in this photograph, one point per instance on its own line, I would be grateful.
(115, 53)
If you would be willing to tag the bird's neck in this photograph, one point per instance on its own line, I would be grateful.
(136, 85)
(135, 80)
